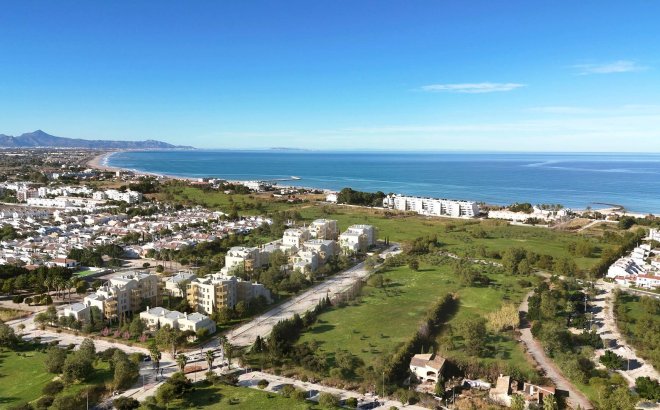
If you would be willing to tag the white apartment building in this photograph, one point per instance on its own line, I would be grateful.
(130, 197)
(295, 237)
(357, 238)
(210, 293)
(325, 248)
(125, 293)
(306, 261)
(159, 317)
(324, 229)
(537, 213)
(172, 283)
(244, 257)
(432, 206)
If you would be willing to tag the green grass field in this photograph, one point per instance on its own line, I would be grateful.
(22, 376)
(239, 398)
(256, 204)
(382, 318)
(460, 236)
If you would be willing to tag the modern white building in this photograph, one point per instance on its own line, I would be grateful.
(78, 311)
(324, 229)
(130, 197)
(432, 206)
(357, 238)
(537, 213)
(295, 237)
(247, 258)
(172, 284)
(210, 293)
(325, 248)
(125, 293)
(158, 317)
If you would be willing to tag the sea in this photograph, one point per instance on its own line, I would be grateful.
(574, 180)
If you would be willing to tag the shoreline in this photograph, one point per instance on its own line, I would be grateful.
(101, 162)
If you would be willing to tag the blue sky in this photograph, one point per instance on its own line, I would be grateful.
(441, 75)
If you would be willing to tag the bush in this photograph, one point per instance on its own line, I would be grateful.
(126, 403)
(351, 402)
(287, 390)
(328, 400)
(44, 403)
(263, 383)
(18, 299)
(52, 388)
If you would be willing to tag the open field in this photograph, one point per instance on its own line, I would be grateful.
(239, 398)
(11, 314)
(382, 318)
(464, 237)
(22, 376)
(252, 204)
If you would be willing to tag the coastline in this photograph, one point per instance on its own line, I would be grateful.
(101, 162)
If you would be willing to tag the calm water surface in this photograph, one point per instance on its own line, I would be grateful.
(574, 180)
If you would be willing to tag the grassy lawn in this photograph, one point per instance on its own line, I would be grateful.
(382, 318)
(463, 237)
(82, 274)
(253, 204)
(21, 377)
(11, 314)
(240, 398)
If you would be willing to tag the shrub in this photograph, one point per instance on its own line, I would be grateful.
(263, 383)
(52, 388)
(351, 402)
(44, 402)
(328, 400)
(287, 390)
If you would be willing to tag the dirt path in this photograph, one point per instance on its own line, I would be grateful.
(575, 397)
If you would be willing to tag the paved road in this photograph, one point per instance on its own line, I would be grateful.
(275, 383)
(246, 334)
(575, 397)
(607, 329)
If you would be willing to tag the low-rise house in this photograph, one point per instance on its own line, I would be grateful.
(158, 317)
(78, 311)
(427, 367)
(501, 393)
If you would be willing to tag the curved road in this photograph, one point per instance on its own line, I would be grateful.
(575, 397)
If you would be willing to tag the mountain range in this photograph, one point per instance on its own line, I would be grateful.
(41, 139)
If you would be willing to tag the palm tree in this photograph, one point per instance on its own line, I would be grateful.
(209, 359)
(229, 349)
(181, 361)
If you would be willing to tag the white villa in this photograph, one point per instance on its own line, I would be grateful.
(78, 311)
(427, 367)
(158, 317)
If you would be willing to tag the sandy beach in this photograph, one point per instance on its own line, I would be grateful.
(100, 162)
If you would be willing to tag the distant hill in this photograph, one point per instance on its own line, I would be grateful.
(41, 139)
